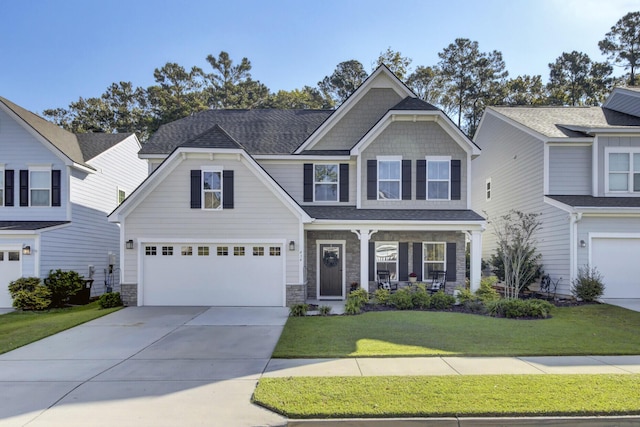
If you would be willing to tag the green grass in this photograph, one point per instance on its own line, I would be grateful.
(464, 396)
(597, 329)
(19, 328)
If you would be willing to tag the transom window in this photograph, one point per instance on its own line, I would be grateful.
(624, 171)
(387, 258)
(438, 178)
(325, 183)
(434, 257)
(212, 189)
(40, 187)
(389, 178)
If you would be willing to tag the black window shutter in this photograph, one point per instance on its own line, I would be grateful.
(403, 261)
(417, 259)
(451, 262)
(372, 180)
(455, 179)
(8, 187)
(372, 263)
(421, 180)
(227, 189)
(196, 191)
(406, 180)
(308, 182)
(24, 188)
(55, 188)
(344, 182)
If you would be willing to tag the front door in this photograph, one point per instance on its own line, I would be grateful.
(331, 285)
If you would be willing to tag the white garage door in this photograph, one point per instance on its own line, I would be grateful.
(213, 274)
(618, 260)
(10, 270)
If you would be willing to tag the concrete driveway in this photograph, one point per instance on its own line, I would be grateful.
(145, 366)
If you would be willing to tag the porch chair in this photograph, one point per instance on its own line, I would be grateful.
(384, 281)
(438, 281)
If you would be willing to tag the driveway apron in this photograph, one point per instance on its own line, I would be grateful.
(145, 366)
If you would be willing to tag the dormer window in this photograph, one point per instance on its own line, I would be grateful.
(325, 183)
(623, 171)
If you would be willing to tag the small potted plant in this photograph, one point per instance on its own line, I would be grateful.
(413, 277)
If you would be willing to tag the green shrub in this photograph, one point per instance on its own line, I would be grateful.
(298, 310)
(352, 306)
(402, 299)
(465, 295)
(381, 296)
(62, 285)
(109, 300)
(28, 293)
(475, 306)
(442, 301)
(485, 292)
(588, 285)
(518, 308)
(420, 297)
(324, 310)
(360, 296)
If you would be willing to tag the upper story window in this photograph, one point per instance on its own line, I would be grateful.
(623, 168)
(387, 258)
(325, 183)
(389, 178)
(40, 187)
(1, 187)
(212, 189)
(438, 178)
(121, 195)
(487, 190)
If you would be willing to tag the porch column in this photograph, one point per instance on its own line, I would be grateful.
(475, 266)
(364, 235)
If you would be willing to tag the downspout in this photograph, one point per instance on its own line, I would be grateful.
(574, 218)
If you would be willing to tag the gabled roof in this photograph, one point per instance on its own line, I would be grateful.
(267, 131)
(414, 104)
(625, 99)
(215, 137)
(79, 148)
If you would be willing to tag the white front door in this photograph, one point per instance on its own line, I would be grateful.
(10, 270)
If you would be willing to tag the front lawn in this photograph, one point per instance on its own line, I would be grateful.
(462, 396)
(595, 329)
(19, 328)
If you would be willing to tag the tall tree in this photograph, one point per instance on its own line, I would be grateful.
(427, 83)
(129, 108)
(525, 90)
(622, 44)
(305, 98)
(345, 79)
(231, 85)
(575, 80)
(398, 64)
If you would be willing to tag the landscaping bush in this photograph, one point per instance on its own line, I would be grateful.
(588, 285)
(352, 306)
(29, 293)
(475, 306)
(420, 298)
(62, 285)
(110, 300)
(298, 310)
(360, 296)
(485, 292)
(381, 296)
(402, 299)
(324, 310)
(465, 295)
(442, 301)
(517, 308)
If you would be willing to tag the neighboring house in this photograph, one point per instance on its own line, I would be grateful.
(274, 207)
(56, 189)
(579, 167)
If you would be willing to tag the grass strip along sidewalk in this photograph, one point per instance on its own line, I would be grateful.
(20, 328)
(467, 396)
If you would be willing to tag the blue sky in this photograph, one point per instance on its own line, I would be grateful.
(54, 52)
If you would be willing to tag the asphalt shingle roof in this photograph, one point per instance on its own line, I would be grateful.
(413, 104)
(29, 225)
(266, 131)
(552, 121)
(94, 144)
(351, 213)
(598, 202)
(215, 137)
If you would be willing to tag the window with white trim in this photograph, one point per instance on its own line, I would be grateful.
(487, 190)
(40, 186)
(212, 189)
(434, 256)
(325, 182)
(1, 186)
(389, 178)
(623, 170)
(121, 195)
(438, 178)
(387, 258)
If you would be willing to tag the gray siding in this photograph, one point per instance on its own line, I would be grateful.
(611, 141)
(570, 170)
(414, 141)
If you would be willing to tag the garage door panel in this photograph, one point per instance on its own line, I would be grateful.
(221, 278)
(617, 260)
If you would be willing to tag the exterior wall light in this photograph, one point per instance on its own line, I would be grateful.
(129, 244)
(26, 250)
(583, 244)
(292, 245)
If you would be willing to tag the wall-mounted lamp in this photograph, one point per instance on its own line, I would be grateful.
(583, 244)
(292, 245)
(26, 250)
(129, 244)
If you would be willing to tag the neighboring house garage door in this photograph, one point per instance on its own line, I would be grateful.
(617, 260)
(213, 274)
(10, 270)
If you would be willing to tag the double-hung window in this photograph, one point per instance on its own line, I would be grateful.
(623, 170)
(387, 258)
(389, 178)
(40, 186)
(434, 257)
(325, 182)
(212, 189)
(438, 178)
